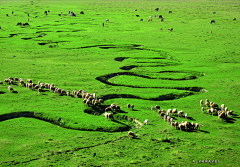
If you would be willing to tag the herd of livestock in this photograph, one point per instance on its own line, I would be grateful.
(92, 100)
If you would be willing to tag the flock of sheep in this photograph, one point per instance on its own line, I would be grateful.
(213, 108)
(92, 100)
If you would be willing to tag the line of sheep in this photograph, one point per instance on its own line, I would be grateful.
(213, 108)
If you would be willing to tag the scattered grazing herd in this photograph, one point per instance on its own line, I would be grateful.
(91, 99)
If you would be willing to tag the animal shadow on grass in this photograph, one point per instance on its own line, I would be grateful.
(2, 92)
(15, 91)
(230, 120)
(134, 110)
(191, 119)
(204, 131)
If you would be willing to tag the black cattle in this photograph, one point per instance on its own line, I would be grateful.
(81, 12)
(7, 15)
(160, 17)
(19, 24)
(156, 9)
(12, 12)
(137, 15)
(214, 12)
(170, 12)
(141, 20)
(213, 21)
(234, 19)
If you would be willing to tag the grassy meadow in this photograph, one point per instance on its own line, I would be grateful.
(124, 61)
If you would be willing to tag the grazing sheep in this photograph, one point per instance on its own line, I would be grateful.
(226, 109)
(118, 108)
(150, 17)
(163, 110)
(10, 89)
(100, 101)
(215, 105)
(157, 107)
(207, 100)
(222, 115)
(176, 125)
(170, 29)
(169, 110)
(1, 82)
(108, 109)
(168, 118)
(186, 116)
(197, 127)
(234, 19)
(202, 109)
(141, 20)
(211, 103)
(131, 134)
(156, 9)
(107, 20)
(29, 81)
(63, 92)
(6, 80)
(180, 113)
(160, 29)
(207, 104)
(109, 116)
(39, 90)
(156, 16)
(222, 107)
(164, 117)
(84, 101)
(209, 110)
(68, 93)
(94, 96)
(201, 102)
(187, 125)
(174, 111)
(153, 108)
(181, 127)
(88, 102)
(230, 112)
(167, 113)
(146, 122)
(132, 106)
(162, 114)
(172, 123)
(171, 119)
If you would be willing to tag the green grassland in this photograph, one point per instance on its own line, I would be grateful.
(126, 61)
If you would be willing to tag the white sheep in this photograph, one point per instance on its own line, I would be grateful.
(1, 82)
(150, 17)
(164, 117)
(186, 116)
(94, 96)
(10, 89)
(207, 104)
(146, 122)
(197, 126)
(201, 102)
(174, 111)
(132, 106)
(68, 93)
(168, 118)
(171, 119)
(202, 109)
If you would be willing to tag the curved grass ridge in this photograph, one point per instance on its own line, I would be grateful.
(65, 124)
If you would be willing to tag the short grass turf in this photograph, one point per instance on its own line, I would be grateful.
(126, 61)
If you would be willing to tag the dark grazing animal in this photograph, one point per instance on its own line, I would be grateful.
(156, 9)
(141, 20)
(137, 15)
(170, 12)
(160, 17)
(81, 12)
(213, 21)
